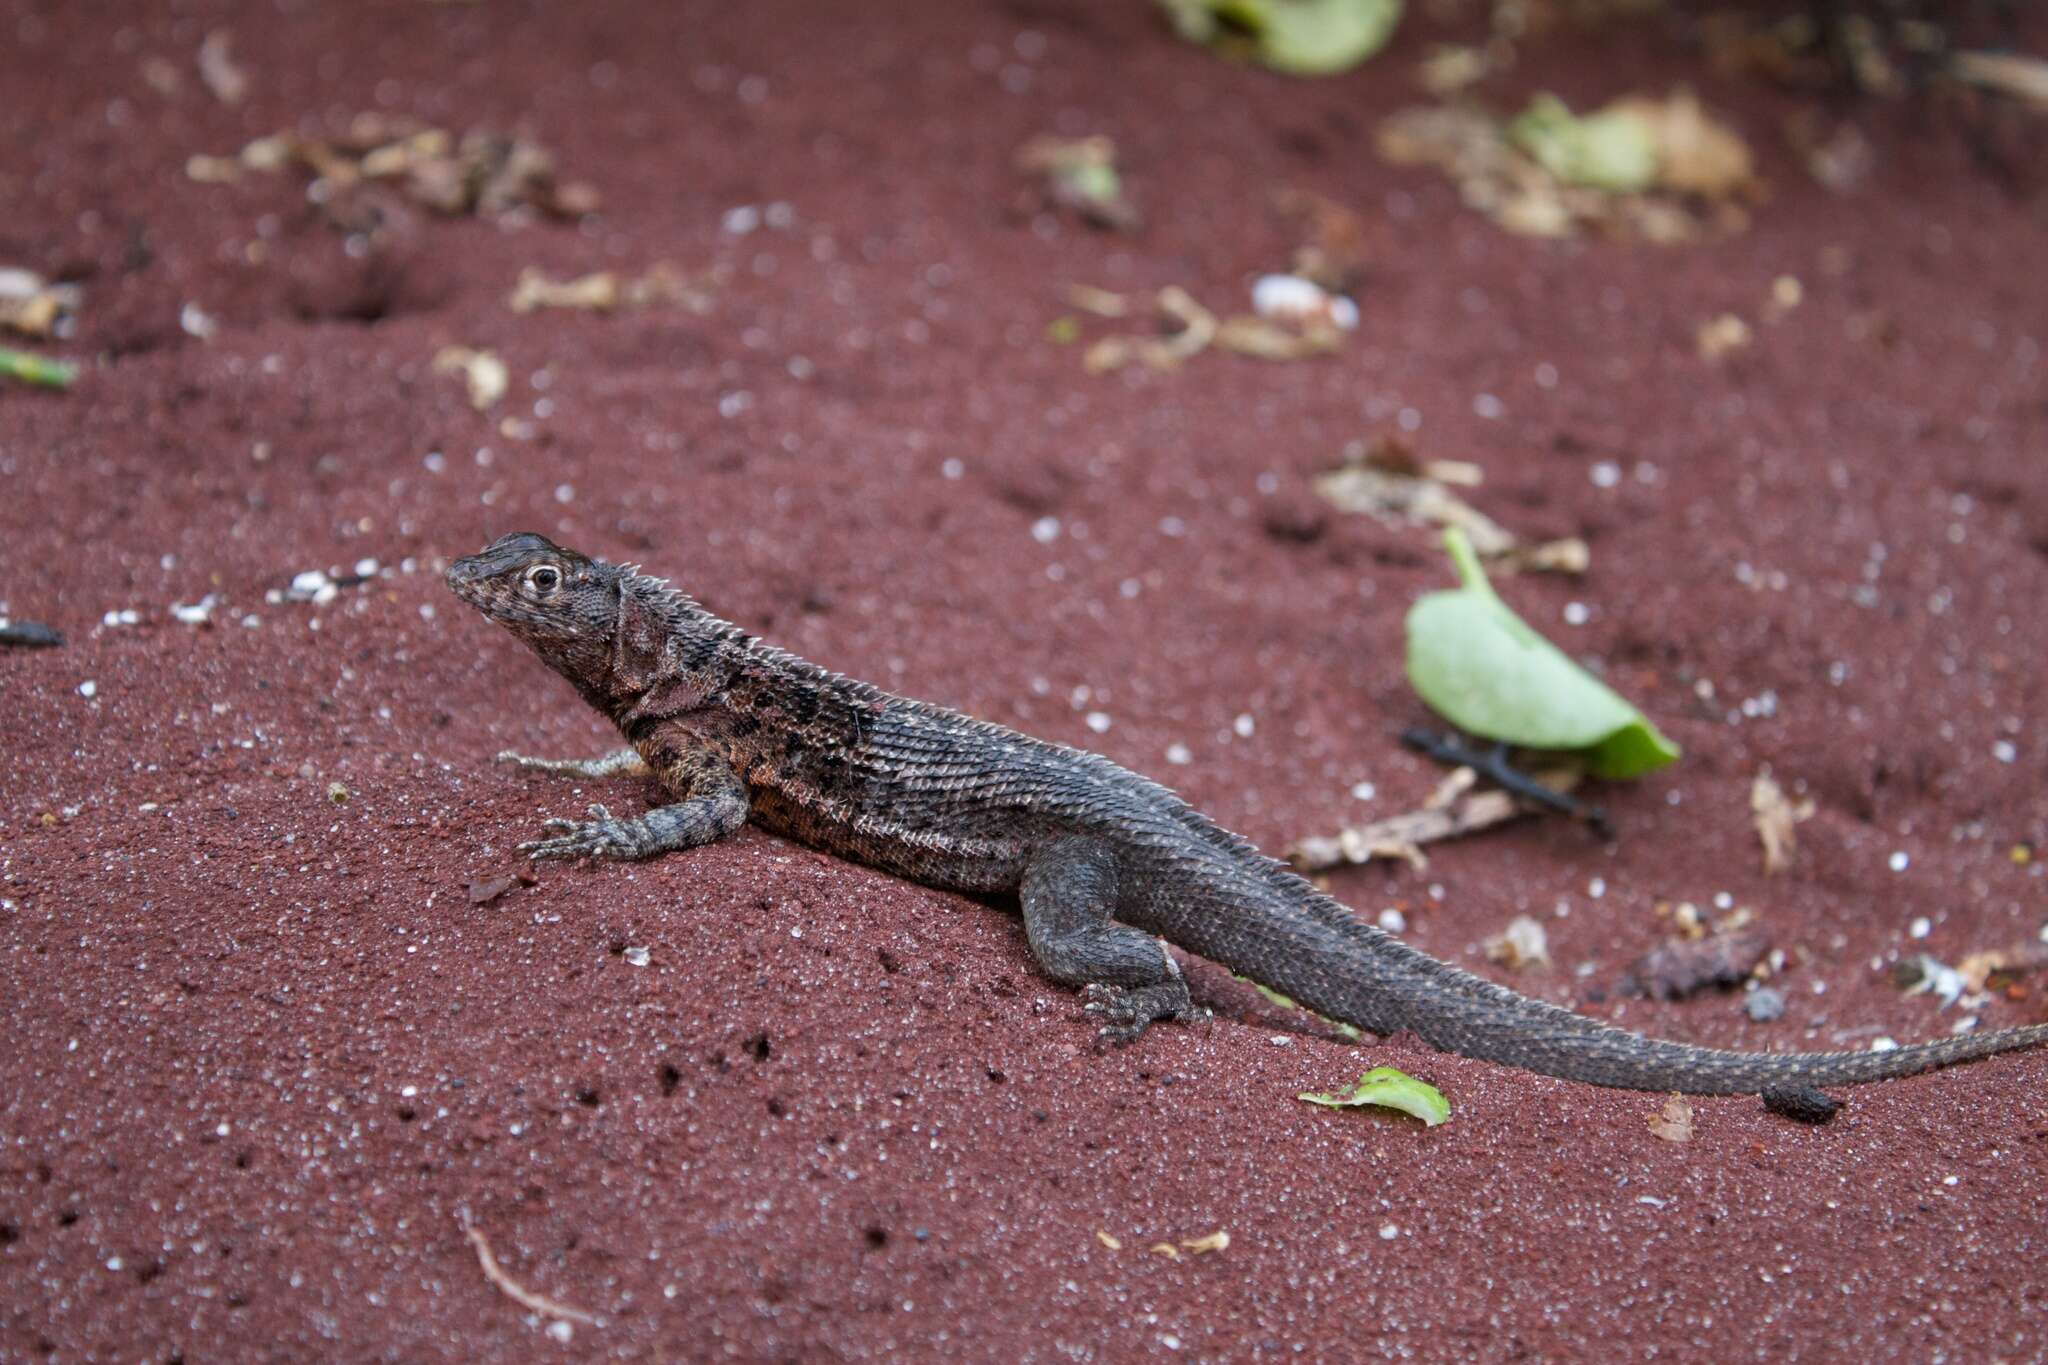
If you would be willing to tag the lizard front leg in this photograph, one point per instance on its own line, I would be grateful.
(712, 804)
(623, 763)
(1128, 977)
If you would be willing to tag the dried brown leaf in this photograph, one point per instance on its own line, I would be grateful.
(1777, 819)
(1522, 946)
(1673, 1122)
(1679, 967)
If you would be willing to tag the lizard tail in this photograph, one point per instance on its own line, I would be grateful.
(1357, 973)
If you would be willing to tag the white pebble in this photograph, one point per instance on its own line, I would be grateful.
(2004, 751)
(1244, 725)
(1605, 474)
(638, 957)
(1389, 1231)
(1294, 298)
(1577, 613)
(1045, 530)
(1900, 861)
(1364, 791)
(365, 568)
(1884, 1045)
(561, 1331)
(88, 688)
(1178, 754)
(1393, 921)
(1920, 928)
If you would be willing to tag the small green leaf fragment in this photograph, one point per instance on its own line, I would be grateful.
(35, 369)
(1610, 149)
(1298, 37)
(1485, 670)
(1390, 1088)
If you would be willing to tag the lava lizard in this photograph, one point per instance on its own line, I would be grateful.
(1105, 863)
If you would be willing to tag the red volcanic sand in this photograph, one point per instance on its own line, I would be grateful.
(265, 1060)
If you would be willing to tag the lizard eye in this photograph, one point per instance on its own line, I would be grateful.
(543, 579)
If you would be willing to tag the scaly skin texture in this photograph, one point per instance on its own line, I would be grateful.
(1105, 864)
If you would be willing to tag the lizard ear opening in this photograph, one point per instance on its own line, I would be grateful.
(638, 646)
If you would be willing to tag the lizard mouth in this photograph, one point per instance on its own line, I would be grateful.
(466, 577)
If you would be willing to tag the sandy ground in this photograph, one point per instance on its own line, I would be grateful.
(265, 1060)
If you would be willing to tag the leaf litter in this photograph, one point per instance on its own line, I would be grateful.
(483, 173)
(1662, 171)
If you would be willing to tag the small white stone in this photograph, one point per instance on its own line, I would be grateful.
(561, 1331)
(638, 957)
(1045, 530)
(1393, 921)
(1920, 928)
(366, 568)
(1244, 725)
(88, 688)
(1099, 721)
(1577, 613)
(1900, 861)
(742, 220)
(2004, 751)
(1884, 1045)
(1605, 474)
(1389, 1231)
(1178, 754)
(1294, 298)
(565, 492)
(1364, 791)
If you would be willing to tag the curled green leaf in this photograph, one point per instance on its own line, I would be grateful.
(1485, 670)
(1299, 37)
(1389, 1088)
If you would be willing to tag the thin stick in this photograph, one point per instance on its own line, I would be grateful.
(518, 1293)
(1401, 836)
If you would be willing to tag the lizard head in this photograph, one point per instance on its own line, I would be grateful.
(563, 604)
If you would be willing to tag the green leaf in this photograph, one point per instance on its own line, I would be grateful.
(1390, 1088)
(1482, 668)
(1299, 37)
(1613, 149)
(35, 369)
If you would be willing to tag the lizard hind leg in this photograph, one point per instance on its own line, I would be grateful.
(1127, 976)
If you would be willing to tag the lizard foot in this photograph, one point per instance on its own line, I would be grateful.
(1128, 1011)
(601, 836)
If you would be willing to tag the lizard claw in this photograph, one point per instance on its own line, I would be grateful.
(600, 836)
(1128, 1011)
